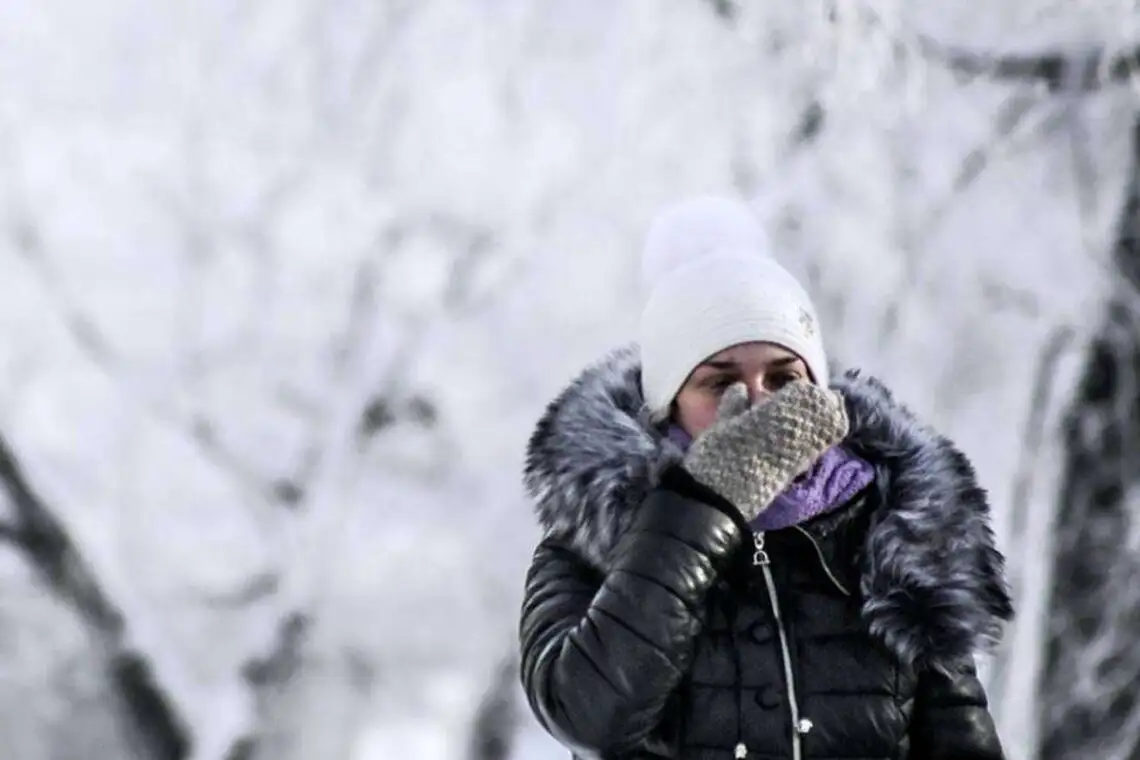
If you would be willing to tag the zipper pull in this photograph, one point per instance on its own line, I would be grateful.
(759, 555)
(741, 751)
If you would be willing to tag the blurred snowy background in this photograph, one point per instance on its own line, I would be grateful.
(284, 286)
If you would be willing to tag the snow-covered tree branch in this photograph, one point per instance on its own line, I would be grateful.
(139, 723)
(1089, 702)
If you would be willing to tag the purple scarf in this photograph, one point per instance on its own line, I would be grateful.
(831, 482)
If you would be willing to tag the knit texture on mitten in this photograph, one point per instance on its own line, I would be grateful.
(751, 454)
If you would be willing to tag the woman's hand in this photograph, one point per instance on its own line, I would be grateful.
(751, 454)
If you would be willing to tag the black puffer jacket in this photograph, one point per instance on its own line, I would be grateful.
(648, 630)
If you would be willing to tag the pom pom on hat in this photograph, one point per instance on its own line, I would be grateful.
(710, 284)
(699, 228)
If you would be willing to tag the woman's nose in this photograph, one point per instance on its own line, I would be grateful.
(757, 393)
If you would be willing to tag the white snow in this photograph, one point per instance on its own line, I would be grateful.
(245, 220)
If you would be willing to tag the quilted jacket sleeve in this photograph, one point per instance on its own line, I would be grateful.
(952, 720)
(601, 653)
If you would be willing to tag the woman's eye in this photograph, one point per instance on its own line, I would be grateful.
(721, 382)
(779, 381)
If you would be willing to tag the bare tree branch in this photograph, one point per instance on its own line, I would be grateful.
(1010, 117)
(273, 678)
(267, 678)
(374, 392)
(1033, 440)
(93, 344)
(284, 660)
(1089, 705)
(259, 587)
(153, 726)
(1083, 71)
(1055, 71)
(389, 399)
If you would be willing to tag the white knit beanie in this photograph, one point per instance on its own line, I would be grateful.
(710, 284)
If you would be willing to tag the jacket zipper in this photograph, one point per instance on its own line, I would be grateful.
(800, 725)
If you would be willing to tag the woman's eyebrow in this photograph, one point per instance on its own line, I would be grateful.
(728, 364)
(720, 364)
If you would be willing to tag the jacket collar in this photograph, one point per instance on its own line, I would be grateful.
(931, 579)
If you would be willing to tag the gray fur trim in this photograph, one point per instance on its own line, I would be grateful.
(594, 456)
(931, 577)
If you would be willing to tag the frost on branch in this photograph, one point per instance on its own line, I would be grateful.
(1090, 706)
(113, 705)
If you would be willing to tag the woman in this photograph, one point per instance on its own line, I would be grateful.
(739, 562)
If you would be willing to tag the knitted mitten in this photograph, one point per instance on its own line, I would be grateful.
(751, 454)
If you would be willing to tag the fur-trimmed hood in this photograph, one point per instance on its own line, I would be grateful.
(931, 579)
